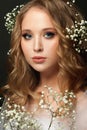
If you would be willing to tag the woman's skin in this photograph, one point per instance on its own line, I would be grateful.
(39, 43)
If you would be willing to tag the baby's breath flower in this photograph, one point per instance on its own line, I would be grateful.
(18, 118)
(70, 3)
(11, 17)
(78, 34)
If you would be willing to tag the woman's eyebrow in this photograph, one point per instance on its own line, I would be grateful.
(50, 28)
(26, 30)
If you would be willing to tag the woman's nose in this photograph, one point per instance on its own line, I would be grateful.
(38, 45)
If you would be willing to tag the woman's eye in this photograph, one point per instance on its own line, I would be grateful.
(27, 36)
(49, 35)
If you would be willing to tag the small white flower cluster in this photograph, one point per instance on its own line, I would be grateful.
(64, 102)
(78, 34)
(70, 3)
(10, 18)
(17, 118)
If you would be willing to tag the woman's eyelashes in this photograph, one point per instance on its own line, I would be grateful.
(49, 35)
(27, 36)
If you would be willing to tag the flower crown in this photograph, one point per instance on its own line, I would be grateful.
(77, 33)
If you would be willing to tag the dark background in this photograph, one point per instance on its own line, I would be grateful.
(7, 6)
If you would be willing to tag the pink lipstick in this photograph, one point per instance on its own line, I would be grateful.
(38, 59)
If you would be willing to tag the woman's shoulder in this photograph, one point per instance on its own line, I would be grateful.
(81, 110)
(82, 100)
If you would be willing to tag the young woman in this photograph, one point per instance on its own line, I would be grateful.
(46, 86)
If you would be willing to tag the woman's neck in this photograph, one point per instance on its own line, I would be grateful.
(49, 79)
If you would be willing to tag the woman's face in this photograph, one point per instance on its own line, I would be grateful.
(39, 40)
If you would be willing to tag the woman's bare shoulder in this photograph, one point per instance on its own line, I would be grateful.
(81, 110)
(82, 100)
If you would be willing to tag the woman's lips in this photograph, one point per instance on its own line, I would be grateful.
(38, 59)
